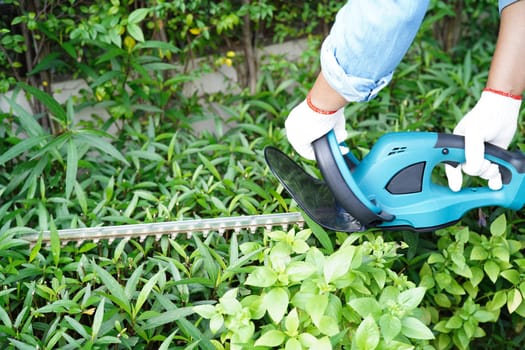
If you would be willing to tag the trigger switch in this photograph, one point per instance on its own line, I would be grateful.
(407, 180)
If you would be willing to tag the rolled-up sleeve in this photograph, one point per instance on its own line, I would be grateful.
(366, 44)
(504, 3)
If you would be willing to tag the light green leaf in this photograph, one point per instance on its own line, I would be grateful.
(411, 298)
(338, 264)
(415, 329)
(293, 344)
(499, 226)
(367, 335)
(478, 253)
(511, 275)
(135, 32)
(492, 270)
(272, 338)
(298, 271)
(276, 303)
(514, 299)
(365, 306)
(229, 302)
(262, 276)
(291, 322)
(206, 311)
(390, 326)
(138, 15)
(328, 326)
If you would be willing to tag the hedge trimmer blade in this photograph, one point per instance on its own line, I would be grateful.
(311, 194)
(173, 228)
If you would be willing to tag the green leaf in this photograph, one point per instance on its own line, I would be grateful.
(415, 329)
(135, 32)
(229, 303)
(276, 303)
(71, 167)
(367, 335)
(291, 322)
(52, 105)
(411, 298)
(492, 270)
(511, 275)
(145, 292)
(478, 253)
(390, 326)
(22, 147)
(514, 299)
(365, 306)
(206, 311)
(117, 292)
(89, 138)
(272, 338)
(499, 226)
(138, 15)
(55, 242)
(328, 326)
(262, 276)
(97, 320)
(338, 264)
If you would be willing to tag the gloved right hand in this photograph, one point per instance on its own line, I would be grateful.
(304, 125)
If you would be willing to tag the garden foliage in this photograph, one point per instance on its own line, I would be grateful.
(138, 159)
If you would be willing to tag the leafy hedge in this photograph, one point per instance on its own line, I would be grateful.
(292, 288)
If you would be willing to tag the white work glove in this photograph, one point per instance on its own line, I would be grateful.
(303, 126)
(493, 119)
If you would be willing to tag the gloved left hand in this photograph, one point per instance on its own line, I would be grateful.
(493, 119)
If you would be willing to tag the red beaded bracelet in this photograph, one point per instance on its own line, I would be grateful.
(314, 108)
(503, 93)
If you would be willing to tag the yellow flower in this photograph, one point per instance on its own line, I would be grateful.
(230, 54)
(195, 31)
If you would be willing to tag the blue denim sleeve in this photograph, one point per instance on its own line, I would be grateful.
(504, 3)
(366, 44)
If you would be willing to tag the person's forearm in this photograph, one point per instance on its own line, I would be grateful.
(507, 71)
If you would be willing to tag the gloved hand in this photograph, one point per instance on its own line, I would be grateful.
(493, 119)
(304, 125)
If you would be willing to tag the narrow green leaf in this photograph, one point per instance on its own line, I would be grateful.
(165, 345)
(22, 147)
(117, 292)
(97, 320)
(96, 141)
(52, 105)
(81, 197)
(77, 326)
(55, 241)
(145, 292)
(71, 166)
